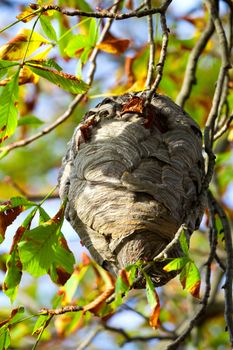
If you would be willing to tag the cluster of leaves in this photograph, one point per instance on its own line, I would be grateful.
(43, 249)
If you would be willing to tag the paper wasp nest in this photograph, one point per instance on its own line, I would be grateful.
(131, 175)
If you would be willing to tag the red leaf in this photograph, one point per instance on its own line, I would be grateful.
(135, 104)
(7, 217)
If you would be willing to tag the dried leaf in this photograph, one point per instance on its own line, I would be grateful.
(154, 317)
(114, 46)
(135, 105)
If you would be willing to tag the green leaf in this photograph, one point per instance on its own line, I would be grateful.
(5, 339)
(183, 243)
(8, 109)
(73, 282)
(16, 202)
(43, 215)
(150, 291)
(30, 120)
(176, 264)
(67, 82)
(4, 65)
(48, 28)
(52, 64)
(93, 32)
(44, 249)
(13, 275)
(14, 265)
(41, 324)
(36, 249)
(190, 279)
(77, 43)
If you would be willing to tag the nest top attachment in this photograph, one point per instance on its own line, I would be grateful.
(132, 174)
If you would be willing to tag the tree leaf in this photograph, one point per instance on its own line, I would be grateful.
(9, 211)
(36, 249)
(70, 287)
(153, 301)
(14, 265)
(44, 249)
(190, 279)
(76, 45)
(48, 28)
(135, 104)
(114, 46)
(122, 286)
(30, 120)
(15, 49)
(5, 339)
(4, 65)
(16, 202)
(13, 275)
(176, 264)
(50, 63)
(41, 323)
(67, 82)
(183, 243)
(27, 15)
(8, 109)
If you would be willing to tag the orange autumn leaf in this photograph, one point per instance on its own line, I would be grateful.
(124, 276)
(114, 46)
(195, 290)
(136, 104)
(154, 317)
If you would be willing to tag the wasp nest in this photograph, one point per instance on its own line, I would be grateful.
(132, 174)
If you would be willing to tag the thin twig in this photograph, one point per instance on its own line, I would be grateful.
(62, 310)
(151, 64)
(213, 114)
(104, 13)
(163, 55)
(204, 302)
(89, 338)
(129, 339)
(229, 266)
(67, 114)
(190, 72)
(224, 128)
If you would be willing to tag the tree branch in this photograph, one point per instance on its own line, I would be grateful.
(104, 13)
(213, 114)
(190, 72)
(197, 317)
(151, 41)
(163, 55)
(73, 104)
(229, 265)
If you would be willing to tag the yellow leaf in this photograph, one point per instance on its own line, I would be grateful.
(27, 15)
(15, 49)
(42, 55)
(27, 76)
(114, 46)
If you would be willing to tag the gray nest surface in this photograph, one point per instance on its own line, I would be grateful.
(131, 176)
